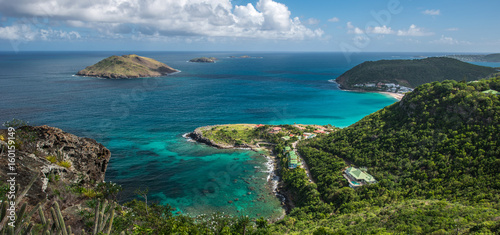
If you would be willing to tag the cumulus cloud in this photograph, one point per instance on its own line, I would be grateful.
(334, 19)
(26, 33)
(351, 29)
(414, 31)
(432, 12)
(170, 18)
(380, 30)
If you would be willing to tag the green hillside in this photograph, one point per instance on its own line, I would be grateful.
(412, 73)
(440, 144)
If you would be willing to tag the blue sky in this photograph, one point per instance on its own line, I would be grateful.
(241, 25)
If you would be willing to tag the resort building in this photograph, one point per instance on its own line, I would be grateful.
(287, 149)
(275, 130)
(493, 92)
(299, 127)
(293, 160)
(357, 177)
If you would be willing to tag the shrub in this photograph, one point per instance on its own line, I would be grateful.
(66, 164)
(90, 193)
(51, 159)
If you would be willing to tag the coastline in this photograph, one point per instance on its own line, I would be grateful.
(397, 96)
(274, 181)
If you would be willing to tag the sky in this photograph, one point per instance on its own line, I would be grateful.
(258, 25)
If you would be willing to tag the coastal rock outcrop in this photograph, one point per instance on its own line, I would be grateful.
(127, 66)
(197, 135)
(50, 153)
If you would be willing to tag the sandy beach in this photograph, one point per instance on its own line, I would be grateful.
(397, 96)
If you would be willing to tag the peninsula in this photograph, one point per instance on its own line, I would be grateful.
(477, 58)
(127, 66)
(404, 75)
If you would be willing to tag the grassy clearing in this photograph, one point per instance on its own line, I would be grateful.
(233, 134)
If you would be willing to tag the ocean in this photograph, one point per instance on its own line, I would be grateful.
(142, 120)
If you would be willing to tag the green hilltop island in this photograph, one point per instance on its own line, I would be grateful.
(127, 66)
(203, 60)
(401, 76)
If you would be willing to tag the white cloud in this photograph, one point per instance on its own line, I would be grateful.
(312, 21)
(27, 32)
(370, 30)
(334, 19)
(17, 32)
(432, 12)
(380, 30)
(414, 31)
(215, 18)
(353, 30)
(450, 41)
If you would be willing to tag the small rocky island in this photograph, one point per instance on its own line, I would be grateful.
(203, 60)
(127, 66)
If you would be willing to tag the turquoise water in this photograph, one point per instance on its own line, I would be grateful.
(142, 120)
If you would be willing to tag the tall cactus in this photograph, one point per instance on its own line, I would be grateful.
(103, 218)
(54, 223)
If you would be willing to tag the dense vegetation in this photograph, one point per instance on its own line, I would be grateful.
(412, 73)
(439, 144)
(435, 155)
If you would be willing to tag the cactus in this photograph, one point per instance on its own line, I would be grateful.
(96, 215)
(18, 200)
(110, 224)
(54, 223)
(60, 218)
(42, 216)
(28, 230)
(46, 226)
(103, 218)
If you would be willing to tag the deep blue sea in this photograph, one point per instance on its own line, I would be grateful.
(142, 120)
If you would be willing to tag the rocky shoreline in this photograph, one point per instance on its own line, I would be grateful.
(274, 175)
(57, 159)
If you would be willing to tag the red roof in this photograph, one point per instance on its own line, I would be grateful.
(277, 128)
(259, 125)
(291, 135)
(319, 131)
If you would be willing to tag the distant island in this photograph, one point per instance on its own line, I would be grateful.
(127, 66)
(244, 57)
(477, 58)
(203, 60)
(404, 75)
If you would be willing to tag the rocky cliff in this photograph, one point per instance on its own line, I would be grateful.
(54, 154)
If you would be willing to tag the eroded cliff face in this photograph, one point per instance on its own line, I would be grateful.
(49, 152)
